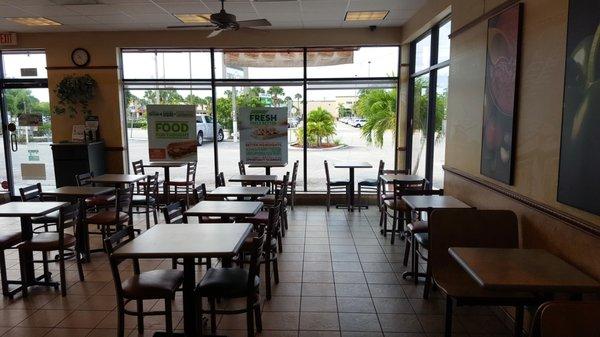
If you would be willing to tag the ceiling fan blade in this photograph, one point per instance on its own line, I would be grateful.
(214, 33)
(254, 23)
(190, 26)
(254, 30)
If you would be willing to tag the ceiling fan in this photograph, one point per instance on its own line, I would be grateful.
(223, 21)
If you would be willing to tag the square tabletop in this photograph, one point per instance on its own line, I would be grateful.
(522, 270)
(79, 191)
(29, 209)
(266, 165)
(187, 240)
(407, 178)
(117, 178)
(431, 202)
(253, 178)
(240, 191)
(165, 164)
(358, 164)
(225, 208)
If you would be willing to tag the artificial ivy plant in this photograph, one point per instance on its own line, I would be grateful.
(74, 94)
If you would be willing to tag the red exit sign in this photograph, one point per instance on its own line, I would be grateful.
(8, 39)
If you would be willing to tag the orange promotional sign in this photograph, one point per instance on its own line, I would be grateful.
(8, 39)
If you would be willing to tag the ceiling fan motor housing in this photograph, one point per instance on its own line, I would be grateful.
(224, 20)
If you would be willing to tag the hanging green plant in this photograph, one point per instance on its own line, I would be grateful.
(74, 94)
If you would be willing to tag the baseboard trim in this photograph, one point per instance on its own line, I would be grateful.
(575, 222)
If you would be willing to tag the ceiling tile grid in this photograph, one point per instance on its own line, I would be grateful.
(106, 15)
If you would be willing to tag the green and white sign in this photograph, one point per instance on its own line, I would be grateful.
(263, 135)
(172, 132)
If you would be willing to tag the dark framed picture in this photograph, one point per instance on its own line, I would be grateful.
(500, 99)
(579, 169)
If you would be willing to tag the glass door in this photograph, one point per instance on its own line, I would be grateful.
(26, 128)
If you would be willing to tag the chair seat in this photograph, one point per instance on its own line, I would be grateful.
(397, 205)
(46, 242)
(261, 217)
(107, 217)
(369, 182)
(99, 200)
(9, 240)
(160, 283)
(422, 239)
(386, 196)
(140, 200)
(51, 217)
(269, 199)
(226, 283)
(418, 226)
(339, 183)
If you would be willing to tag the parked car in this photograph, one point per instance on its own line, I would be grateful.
(204, 127)
(358, 122)
(294, 122)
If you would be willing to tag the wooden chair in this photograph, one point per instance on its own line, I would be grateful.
(335, 186)
(34, 193)
(234, 282)
(138, 167)
(54, 241)
(7, 241)
(199, 194)
(220, 180)
(150, 285)
(281, 194)
(385, 192)
(370, 185)
(148, 201)
(397, 209)
(189, 183)
(95, 202)
(292, 185)
(113, 220)
(242, 167)
(567, 318)
(471, 228)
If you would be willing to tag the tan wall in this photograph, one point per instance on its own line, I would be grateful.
(538, 121)
(103, 48)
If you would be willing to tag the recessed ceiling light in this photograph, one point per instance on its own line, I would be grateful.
(365, 15)
(34, 21)
(193, 18)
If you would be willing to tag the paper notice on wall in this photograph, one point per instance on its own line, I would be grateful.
(263, 135)
(172, 132)
(33, 171)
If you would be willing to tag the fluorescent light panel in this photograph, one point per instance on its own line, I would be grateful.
(34, 21)
(193, 18)
(365, 15)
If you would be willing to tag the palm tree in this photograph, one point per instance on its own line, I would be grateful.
(378, 107)
(320, 124)
(275, 92)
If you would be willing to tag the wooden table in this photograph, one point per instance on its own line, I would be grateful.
(428, 203)
(225, 209)
(239, 192)
(253, 178)
(534, 270)
(403, 178)
(266, 166)
(187, 241)
(117, 179)
(351, 166)
(80, 193)
(25, 211)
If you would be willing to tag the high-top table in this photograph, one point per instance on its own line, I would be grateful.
(351, 166)
(513, 269)
(187, 241)
(117, 179)
(239, 192)
(79, 193)
(266, 166)
(25, 211)
(224, 209)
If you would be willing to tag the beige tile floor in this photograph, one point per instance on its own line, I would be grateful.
(338, 278)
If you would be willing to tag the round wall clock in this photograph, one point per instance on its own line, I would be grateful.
(80, 57)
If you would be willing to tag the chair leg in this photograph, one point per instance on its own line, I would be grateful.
(385, 220)
(268, 275)
(120, 320)
(257, 316)
(213, 315)
(518, 321)
(448, 317)
(394, 224)
(359, 197)
(147, 213)
(276, 270)
(3, 277)
(63, 278)
(407, 250)
(79, 265)
(328, 202)
(415, 261)
(24, 280)
(154, 214)
(168, 316)
(45, 267)
(250, 318)
(173, 263)
(293, 196)
(140, 317)
(427, 284)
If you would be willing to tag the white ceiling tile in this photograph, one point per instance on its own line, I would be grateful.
(140, 8)
(28, 2)
(292, 7)
(185, 7)
(94, 9)
(385, 4)
(113, 18)
(48, 10)
(8, 11)
(155, 18)
(71, 19)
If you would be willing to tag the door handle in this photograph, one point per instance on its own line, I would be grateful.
(14, 144)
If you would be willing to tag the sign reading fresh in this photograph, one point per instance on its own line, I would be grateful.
(172, 132)
(263, 135)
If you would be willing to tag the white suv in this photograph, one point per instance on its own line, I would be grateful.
(204, 127)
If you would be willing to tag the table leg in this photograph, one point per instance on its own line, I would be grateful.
(189, 303)
(27, 234)
(166, 187)
(352, 189)
(267, 170)
(83, 237)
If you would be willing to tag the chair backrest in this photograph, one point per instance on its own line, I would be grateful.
(220, 179)
(84, 179)
(295, 173)
(138, 167)
(380, 168)
(468, 228)
(173, 212)
(113, 243)
(242, 167)
(255, 255)
(150, 188)
(199, 193)
(67, 218)
(567, 318)
(408, 188)
(326, 171)
(31, 193)
(191, 171)
(123, 202)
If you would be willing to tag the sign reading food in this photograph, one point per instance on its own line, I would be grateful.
(172, 132)
(263, 135)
